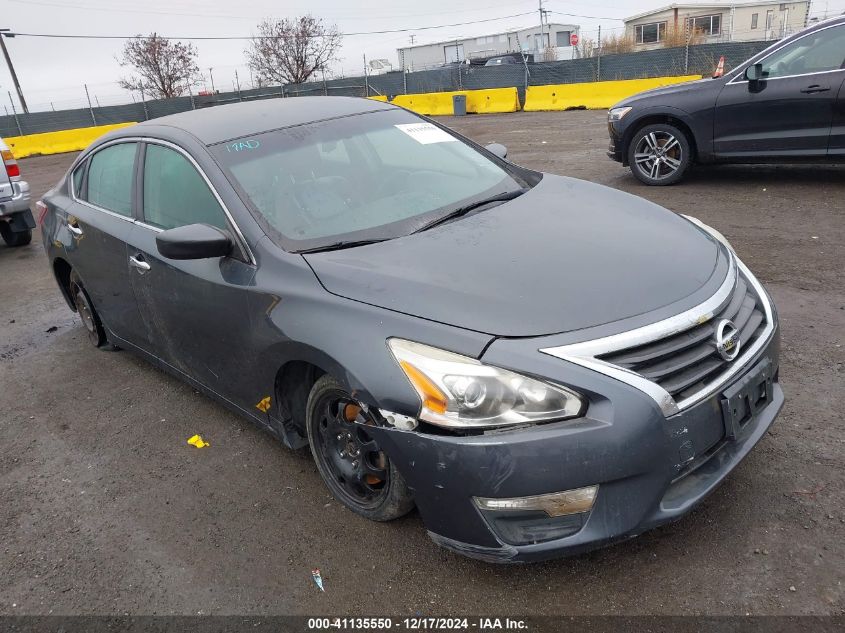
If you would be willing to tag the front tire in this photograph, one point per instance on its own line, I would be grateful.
(90, 319)
(15, 238)
(659, 154)
(357, 473)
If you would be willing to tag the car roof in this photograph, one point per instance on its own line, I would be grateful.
(221, 123)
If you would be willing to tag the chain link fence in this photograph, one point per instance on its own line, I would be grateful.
(685, 60)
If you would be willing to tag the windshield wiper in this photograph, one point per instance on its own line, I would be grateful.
(336, 246)
(456, 213)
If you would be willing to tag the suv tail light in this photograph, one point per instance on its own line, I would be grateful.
(11, 164)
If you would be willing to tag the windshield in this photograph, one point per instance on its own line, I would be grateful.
(369, 176)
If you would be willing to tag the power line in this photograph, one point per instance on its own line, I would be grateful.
(154, 11)
(250, 37)
(587, 17)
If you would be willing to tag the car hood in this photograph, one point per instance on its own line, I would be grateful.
(664, 91)
(566, 255)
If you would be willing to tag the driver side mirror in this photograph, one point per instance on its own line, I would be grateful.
(754, 74)
(497, 149)
(193, 241)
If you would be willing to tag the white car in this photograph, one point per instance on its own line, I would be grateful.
(16, 221)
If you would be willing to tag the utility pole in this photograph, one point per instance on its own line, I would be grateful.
(542, 29)
(90, 109)
(4, 33)
(238, 82)
(211, 75)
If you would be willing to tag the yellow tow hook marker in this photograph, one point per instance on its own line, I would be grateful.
(197, 441)
(264, 405)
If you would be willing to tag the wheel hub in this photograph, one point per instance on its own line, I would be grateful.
(658, 155)
(358, 466)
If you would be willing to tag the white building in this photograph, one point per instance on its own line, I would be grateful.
(717, 22)
(534, 40)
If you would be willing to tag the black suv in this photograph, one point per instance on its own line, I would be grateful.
(786, 104)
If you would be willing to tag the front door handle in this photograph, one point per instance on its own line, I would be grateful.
(77, 232)
(814, 89)
(138, 262)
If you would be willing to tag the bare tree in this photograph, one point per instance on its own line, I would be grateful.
(164, 68)
(615, 44)
(291, 51)
(587, 47)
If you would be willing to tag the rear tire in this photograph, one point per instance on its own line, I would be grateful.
(90, 319)
(659, 154)
(15, 238)
(357, 473)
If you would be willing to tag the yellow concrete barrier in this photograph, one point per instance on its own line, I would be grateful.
(58, 142)
(378, 98)
(478, 101)
(594, 95)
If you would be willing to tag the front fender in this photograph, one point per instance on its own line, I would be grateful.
(699, 125)
(295, 319)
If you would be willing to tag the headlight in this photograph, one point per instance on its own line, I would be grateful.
(458, 391)
(617, 114)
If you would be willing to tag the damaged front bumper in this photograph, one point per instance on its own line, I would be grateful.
(649, 469)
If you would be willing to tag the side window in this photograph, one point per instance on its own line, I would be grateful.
(174, 192)
(78, 173)
(110, 178)
(818, 52)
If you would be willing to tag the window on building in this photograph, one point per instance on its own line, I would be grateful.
(453, 53)
(754, 20)
(650, 33)
(706, 24)
(503, 38)
(541, 41)
(770, 18)
(562, 38)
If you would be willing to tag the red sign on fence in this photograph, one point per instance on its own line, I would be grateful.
(573, 39)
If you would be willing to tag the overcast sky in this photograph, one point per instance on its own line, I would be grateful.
(54, 70)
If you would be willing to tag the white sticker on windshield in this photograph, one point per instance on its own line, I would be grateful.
(426, 133)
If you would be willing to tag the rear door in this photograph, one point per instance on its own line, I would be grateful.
(196, 311)
(789, 113)
(96, 227)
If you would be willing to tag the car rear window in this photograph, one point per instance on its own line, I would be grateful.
(110, 178)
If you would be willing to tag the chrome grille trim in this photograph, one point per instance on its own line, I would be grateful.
(586, 353)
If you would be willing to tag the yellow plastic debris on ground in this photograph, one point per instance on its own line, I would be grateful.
(197, 441)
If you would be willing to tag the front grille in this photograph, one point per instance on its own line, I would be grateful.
(688, 362)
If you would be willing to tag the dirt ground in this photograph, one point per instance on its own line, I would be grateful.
(104, 508)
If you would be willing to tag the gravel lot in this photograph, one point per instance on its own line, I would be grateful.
(105, 509)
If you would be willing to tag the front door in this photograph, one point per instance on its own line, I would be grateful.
(789, 112)
(836, 147)
(195, 310)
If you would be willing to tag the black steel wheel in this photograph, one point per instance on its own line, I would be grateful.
(356, 471)
(659, 154)
(87, 314)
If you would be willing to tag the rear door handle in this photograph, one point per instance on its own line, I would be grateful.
(74, 229)
(138, 262)
(815, 88)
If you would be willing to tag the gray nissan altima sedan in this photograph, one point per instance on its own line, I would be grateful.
(539, 364)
